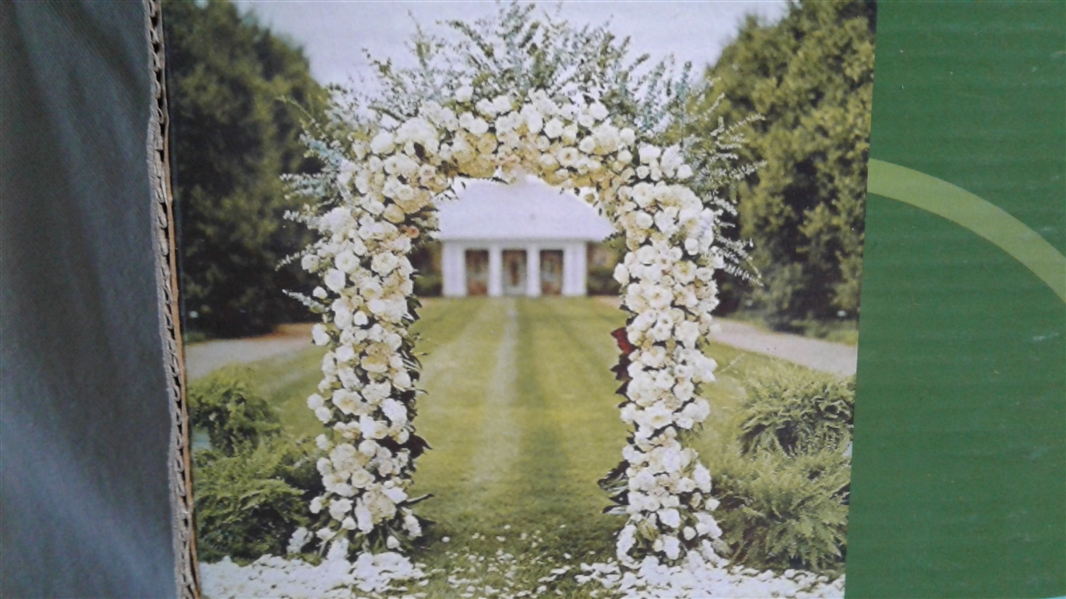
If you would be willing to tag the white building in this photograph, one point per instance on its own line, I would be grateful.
(521, 239)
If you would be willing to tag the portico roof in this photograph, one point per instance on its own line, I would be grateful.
(529, 209)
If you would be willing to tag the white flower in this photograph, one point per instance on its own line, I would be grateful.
(319, 334)
(688, 333)
(568, 157)
(346, 401)
(334, 279)
(382, 143)
(598, 111)
(533, 118)
(670, 517)
(706, 525)
(587, 145)
(323, 414)
(315, 401)
(672, 547)
(309, 262)
(339, 508)
(361, 478)
(553, 129)
(364, 519)
(626, 540)
(649, 153)
(655, 417)
(684, 172)
(372, 429)
(702, 476)
(464, 93)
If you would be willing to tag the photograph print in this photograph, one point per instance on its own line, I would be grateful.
(502, 299)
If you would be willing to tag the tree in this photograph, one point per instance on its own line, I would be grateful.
(810, 76)
(233, 137)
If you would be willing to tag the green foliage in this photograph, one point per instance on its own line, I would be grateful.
(425, 258)
(784, 484)
(253, 486)
(517, 50)
(810, 77)
(797, 411)
(232, 138)
(781, 512)
(601, 281)
(232, 412)
(248, 503)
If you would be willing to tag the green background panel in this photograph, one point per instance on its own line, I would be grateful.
(959, 480)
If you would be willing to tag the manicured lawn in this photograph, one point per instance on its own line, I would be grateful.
(522, 417)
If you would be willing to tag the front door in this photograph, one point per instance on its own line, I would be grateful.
(477, 272)
(551, 272)
(514, 272)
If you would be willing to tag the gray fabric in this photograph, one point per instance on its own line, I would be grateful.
(84, 421)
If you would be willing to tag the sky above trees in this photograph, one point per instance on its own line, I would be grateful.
(334, 34)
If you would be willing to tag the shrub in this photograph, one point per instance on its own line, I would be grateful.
(781, 512)
(601, 281)
(249, 503)
(428, 285)
(230, 409)
(797, 411)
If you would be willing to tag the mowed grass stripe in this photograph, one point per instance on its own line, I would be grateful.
(574, 435)
(459, 376)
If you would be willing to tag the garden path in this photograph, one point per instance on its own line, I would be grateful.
(816, 354)
(204, 357)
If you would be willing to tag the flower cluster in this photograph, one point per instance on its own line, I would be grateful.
(383, 183)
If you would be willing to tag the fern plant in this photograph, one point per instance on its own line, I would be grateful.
(779, 512)
(796, 411)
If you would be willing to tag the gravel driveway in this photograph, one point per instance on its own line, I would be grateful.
(202, 358)
(816, 354)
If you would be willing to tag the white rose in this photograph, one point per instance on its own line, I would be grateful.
(649, 153)
(553, 129)
(598, 111)
(323, 414)
(334, 279)
(672, 547)
(383, 143)
(319, 334)
(670, 517)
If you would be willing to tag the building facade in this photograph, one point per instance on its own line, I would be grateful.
(526, 239)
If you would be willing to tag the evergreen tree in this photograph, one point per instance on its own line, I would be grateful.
(233, 136)
(811, 77)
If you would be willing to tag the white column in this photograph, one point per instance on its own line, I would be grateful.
(533, 270)
(581, 271)
(495, 271)
(453, 269)
(574, 269)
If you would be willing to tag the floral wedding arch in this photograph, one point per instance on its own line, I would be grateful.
(515, 96)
